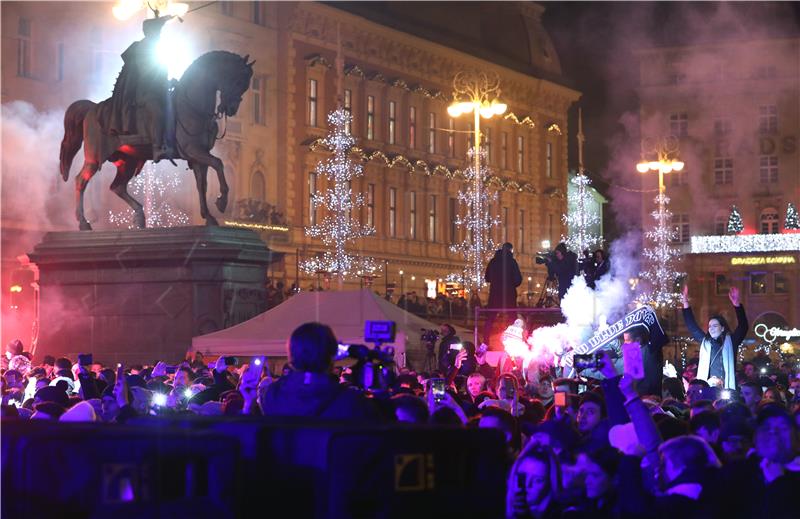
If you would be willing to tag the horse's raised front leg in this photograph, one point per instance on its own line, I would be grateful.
(125, 172)
(200, 175)
(87, 172)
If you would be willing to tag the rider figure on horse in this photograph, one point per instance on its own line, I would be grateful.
(139, 100)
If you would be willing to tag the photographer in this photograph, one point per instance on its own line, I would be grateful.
(447, 354)
(594, 267)
(562, 265)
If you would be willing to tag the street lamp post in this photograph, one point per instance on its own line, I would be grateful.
(666, 153)
(478, 94)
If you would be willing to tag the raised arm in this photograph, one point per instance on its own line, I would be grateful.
(688, 316)
(741, 318)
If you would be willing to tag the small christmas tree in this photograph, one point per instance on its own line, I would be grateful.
(791, 218)
(735, 224)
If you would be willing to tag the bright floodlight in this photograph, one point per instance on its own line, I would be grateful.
(173, 52)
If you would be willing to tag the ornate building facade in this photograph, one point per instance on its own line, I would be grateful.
(735, 108)
(396, 82)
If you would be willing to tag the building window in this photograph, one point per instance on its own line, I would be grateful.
(412, 215)
(679, 124)
(721, 284)
(680, 224)
(770, 221)
(678, 178)
(259, 99)
(312, 193)
(392, 212)
(257, 186)
(431, 132)
(392, 122)
(767, 119)
(312, 102)
(453, 210)
(226, 8)
(412, 127)
(451, 137)
(348, 107)
(520, 153)
(487, 143)
(504, 225)
(781, 283)
(259, 17)
(504, 150)
(758, 283)
(768, 169)
(722, 127)
(432, 217)
(721, 224)
(521, 232)
(723, 171)
(370, 205)
(370, 117)
(549, 159)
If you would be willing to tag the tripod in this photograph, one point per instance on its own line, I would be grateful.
(548, 298)
(430, 364)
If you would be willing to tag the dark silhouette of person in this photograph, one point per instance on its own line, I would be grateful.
(504, 277)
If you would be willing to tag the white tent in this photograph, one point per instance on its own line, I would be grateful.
(344, 311)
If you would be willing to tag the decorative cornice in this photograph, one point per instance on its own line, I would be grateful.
(400, 83)
(312, 60)
(377, 76)
(420, 166)
(354, 70)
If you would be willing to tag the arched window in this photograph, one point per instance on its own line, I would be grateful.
(257, 186)
(721, 223)
(770, 221)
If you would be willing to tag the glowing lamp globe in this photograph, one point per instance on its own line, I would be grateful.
(498, 107)
(677, 165)
(454, 110)
(643, 167)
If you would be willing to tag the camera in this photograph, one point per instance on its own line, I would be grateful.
(374, 370)
(379, 332)
(429, 335)
(543, 257)
(587, 361)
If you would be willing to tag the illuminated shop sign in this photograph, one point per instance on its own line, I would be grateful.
(772, 334)
(762, 260)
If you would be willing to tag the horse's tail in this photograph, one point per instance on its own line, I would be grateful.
(73, 133)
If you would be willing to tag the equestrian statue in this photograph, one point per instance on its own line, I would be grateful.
(149, 118)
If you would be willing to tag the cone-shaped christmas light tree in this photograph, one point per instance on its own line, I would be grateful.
(792, 222)
(735, 224)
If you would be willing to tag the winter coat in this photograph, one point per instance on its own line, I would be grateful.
(504, 277)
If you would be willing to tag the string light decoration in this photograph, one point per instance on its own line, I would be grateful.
(338, 230)
(580, 219)
(746, 243)
(735, 223)
(477, 246)
(661, 272)
(792, 222)
(152, 188)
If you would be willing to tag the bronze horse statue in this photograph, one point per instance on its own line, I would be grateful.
(196, 114)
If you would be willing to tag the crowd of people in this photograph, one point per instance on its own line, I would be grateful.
(575, 447)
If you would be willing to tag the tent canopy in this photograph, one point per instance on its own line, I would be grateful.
(344, 311)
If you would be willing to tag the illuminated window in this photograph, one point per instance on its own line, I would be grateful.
(453, 210)
(412, 214)
(549, 159)
(767, 119)
(370, 117)
(392, 122)
(370, 205)
(680, 223)
(392, 212)
(412, 127)
(259, 99)
(768, 169)
(758, 283)
(520, 153)
(504, 150)
(722, 284)
(679, 124)
(312, 102)
(432, 217)
(504, 225)
(781, 283)
(720, 224)
(312, 191)
(521, 231)
(770, 221)
(723, 171)
(451, 137)
(348, 107)
(431, 132)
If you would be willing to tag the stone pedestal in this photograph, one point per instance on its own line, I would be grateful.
(139, 296)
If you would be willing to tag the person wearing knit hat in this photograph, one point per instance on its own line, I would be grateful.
(80, 412)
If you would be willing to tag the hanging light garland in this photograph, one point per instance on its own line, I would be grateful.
(746, 243)
(338, 229)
